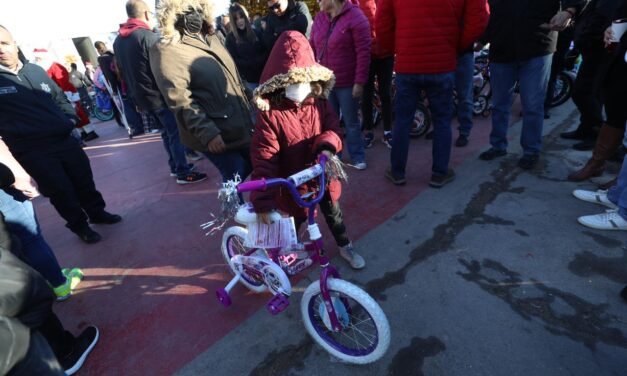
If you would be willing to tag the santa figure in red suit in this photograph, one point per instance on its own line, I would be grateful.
(60, 75)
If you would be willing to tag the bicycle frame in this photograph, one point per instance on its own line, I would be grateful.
(315, 246)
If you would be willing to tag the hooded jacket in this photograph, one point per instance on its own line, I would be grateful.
(34, 112)
(289, 136)
(250, 57)
(342, 44)
(428, 35)
(131, 49)
(204, 91)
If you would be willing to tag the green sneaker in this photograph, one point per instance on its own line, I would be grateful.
(73, 277)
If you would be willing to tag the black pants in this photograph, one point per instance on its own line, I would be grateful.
(64, 175)
(86, 101)
(381, 71)
(333, 216)
(586, 90)
(615, 92)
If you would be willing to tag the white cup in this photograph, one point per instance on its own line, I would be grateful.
(618, 28)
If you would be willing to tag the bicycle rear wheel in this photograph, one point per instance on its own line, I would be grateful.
(365, 334)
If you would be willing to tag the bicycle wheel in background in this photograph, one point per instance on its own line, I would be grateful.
(422, 121)
(233, 244)
(563, 89)
(365, 334)
(103, 115)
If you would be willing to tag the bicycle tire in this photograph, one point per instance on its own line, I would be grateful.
(565, 92)
(312, 304)
(422, 121)
(103, 116)
(230, 236)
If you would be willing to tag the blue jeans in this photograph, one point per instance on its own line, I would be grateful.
(463, 85)
(618, 193)
(20, 217)
(342, 100)
(232, 162)
(533, 76)
(172, 142)
(439, 88)
(133, 118)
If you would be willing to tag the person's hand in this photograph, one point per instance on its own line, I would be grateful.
(327, 153)
(560, 21)
(216, 145)
(26, 185)
(358, 91)
(608, 37)
(264, 218)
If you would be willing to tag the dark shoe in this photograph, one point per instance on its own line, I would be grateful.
(135, 132)
(527, 162)
(368, 140)
(439, 181)
(191, 178)
(585, 145)
(608, 185)
(90, 136)
(105, 218)
(395, 180)
(608, 141)
(577, 134)
(492, 153)
(462, 141)
(623, 294)
(88, 235)
(83, 345)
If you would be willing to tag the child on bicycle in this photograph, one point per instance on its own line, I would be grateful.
(297, 124)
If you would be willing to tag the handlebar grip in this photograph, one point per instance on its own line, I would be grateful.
(306, 175)
(253, 185)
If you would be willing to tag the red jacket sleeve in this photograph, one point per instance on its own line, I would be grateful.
(475, 21)
(330, 138)
(362, 42)
(264, 155)
(385, 26)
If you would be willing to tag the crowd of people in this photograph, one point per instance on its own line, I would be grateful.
(265, 97)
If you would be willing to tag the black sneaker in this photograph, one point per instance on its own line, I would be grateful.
(439, 181)
(577, 134)
(393, 179)
(105, 218)
(90, 136)
(191, 178)
(83, 345)
(586, 145)
(527, 162)
(492, 153)
(88, 235)
(462, 141)
(368, 140)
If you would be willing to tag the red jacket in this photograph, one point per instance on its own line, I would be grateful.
(346, 50)
(289, 136)
(428, 35)
(369, 7)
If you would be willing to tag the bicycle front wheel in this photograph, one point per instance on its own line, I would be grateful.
(365, 334)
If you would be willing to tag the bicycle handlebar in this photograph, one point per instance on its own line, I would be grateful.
(292, 182)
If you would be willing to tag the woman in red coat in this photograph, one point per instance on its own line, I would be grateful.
(299, 126)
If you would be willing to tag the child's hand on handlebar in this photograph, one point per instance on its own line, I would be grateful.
(265, 217)
(327, 153)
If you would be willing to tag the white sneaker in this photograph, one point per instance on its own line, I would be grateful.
(353, 258)
(610, 220)
(598, 197)
(360, 165)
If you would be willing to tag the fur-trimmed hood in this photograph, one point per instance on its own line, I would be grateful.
(168, 12)
(292, 61)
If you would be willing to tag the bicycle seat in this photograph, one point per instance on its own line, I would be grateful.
(246, 214)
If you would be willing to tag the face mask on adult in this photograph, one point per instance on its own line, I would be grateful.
(298, 92)
(191, 22)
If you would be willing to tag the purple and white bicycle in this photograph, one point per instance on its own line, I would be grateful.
(341, 317)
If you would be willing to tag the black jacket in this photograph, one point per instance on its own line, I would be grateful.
(514, 31)
(590, 26)
(105, 62)
(296, 17)
(34, 112)
(132, 56)
(249, 57)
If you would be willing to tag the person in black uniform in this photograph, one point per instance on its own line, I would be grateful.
(36, 121)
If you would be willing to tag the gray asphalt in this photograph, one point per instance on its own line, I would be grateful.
(497, 278)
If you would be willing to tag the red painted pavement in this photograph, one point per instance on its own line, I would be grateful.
(149, 285)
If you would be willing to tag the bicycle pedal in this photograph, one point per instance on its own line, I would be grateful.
(277, 304)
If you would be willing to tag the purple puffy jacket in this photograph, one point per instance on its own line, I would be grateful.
(343, 44)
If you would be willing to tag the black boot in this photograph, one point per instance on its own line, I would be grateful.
(105, 218)
(86, 234)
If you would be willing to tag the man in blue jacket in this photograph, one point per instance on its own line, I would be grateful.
(36, 121)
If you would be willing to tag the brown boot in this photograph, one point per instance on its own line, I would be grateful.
(607, 185)
(609, 139)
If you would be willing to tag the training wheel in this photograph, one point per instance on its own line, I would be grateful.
(223, 297)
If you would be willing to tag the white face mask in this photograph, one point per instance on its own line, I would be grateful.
(298, 92)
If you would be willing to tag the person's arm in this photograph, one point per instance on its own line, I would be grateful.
(362, 43)
(475, 20)
(173, 79)
(264, 155)
(21, 179)
(302, 20)
(385, 26)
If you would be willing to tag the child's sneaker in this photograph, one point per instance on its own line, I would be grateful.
(73, 277)
(387, 139)
(368, 140)
(354, 259)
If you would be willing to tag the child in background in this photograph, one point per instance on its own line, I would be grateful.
(298, 125)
